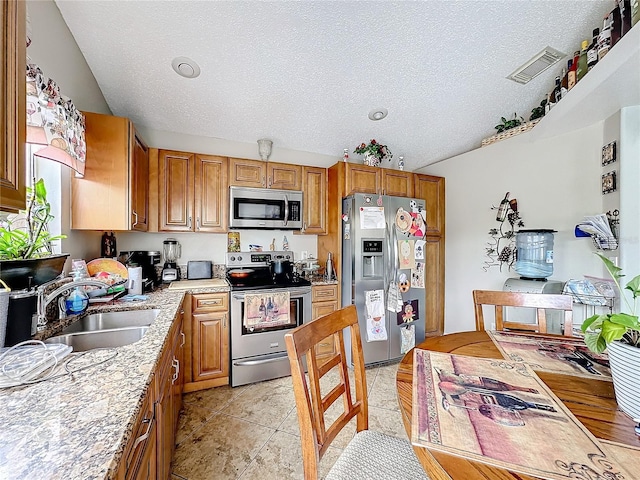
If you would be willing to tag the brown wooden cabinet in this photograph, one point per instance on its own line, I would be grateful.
(434, 286)
(324, 300)
(375, 180)
(207, 340)
(192, 192)
(397, 183)
(431, 189)
(139, 460)
(315, 200)
(114, 192)
(168, 399)
(258, 174)
(13, 118)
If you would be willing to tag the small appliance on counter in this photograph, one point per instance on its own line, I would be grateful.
(172, 252)
(199, 269)
(147, 259)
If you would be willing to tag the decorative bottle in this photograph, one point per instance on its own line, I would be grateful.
(502, 208)
(582, 61)
(400, 162)
(345, 155)
(557, 91)
(592, 51)
(571, 74)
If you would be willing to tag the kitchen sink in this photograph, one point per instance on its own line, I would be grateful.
(117, 337)
(111, 320)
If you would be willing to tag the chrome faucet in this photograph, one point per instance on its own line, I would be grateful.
(44, 300)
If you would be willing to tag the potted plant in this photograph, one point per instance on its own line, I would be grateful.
(509, 124)
(619, 334)
(374, 153)
(26, 256)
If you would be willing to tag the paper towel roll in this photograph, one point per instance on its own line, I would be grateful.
(135, 280)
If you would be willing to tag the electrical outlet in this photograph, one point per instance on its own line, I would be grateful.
(304, 255)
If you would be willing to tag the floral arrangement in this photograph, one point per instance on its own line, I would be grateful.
(381, 152)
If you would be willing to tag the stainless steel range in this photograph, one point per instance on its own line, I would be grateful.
(264, 306)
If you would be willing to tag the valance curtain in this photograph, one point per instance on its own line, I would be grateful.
(54, 121)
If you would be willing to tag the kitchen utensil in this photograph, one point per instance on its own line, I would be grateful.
(240, 272)
(199, 269)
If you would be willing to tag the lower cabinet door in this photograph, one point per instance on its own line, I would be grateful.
(210, 347)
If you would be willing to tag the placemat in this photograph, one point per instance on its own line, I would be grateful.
(565, 355)
(500, 413)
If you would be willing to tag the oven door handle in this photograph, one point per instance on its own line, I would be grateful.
(293, 292)
(248, 363)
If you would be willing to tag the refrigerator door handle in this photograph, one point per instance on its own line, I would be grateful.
(389, 267)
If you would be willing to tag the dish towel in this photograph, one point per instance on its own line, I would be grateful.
(374, 302)
(266, 310)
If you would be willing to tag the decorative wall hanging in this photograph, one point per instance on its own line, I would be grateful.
(609, 182)
(609, 153)
(501, 248)
(54, 121)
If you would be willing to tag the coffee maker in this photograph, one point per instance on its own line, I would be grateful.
(171, 251)
(148, 261)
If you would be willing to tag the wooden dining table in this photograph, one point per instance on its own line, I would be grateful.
(592, 401)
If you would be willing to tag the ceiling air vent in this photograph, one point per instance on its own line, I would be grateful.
(538, 64)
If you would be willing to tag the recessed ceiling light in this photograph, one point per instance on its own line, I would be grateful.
(378, 114)
(185, 67)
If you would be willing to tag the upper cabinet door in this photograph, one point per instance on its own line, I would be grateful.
(315, 200)
(115, 186)
(284, 176)
(211, 194)
(247, 173)
(431, 189)
(176, 191)
(397, 183)
(12, 106)
(139, 184)
(362, 179)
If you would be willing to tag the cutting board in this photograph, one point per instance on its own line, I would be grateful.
(204, 283)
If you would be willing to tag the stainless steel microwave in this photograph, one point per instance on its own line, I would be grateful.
(265, 208)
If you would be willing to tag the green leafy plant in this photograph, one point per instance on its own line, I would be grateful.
(538, 112)
(602, 329)
(27, 236)
(381, 152)
(509, 124)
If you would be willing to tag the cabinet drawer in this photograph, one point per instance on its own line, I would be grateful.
(210, 302)
(324, 293)
(142, 440)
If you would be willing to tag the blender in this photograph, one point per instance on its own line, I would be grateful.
(171, 250)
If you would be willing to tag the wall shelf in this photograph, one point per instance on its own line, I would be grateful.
(614, 83)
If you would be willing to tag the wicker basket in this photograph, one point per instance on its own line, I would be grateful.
(525, 127)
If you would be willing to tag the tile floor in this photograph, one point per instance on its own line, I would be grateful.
(251, 432)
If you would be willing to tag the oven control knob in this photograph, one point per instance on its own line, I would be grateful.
(232, 258)
(239, 258)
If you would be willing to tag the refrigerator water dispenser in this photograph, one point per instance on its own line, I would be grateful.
(372, 259)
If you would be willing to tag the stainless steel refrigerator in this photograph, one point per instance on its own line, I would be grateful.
(383, 245)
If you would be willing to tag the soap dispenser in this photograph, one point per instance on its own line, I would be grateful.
(78, 300)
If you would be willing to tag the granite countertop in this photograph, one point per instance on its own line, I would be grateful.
(76, 426)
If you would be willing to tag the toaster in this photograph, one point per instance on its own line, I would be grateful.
(198, 269)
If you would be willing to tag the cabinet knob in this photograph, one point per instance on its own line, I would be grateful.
(197, 223)
(189, 223)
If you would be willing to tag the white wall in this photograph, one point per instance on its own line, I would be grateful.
(556, 182)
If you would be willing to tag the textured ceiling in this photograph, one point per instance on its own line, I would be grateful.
(306, 74)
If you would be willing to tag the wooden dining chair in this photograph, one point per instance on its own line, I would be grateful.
(540, 301)
(369, 455)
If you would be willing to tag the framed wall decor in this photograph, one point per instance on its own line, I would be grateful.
(609, 182)
(609, 153)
